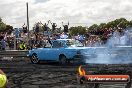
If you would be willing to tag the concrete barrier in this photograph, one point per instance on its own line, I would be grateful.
(13, 53)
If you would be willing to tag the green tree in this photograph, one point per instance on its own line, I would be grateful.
(130, 24)
(2, 25)
(77, 30)
(94, 27)
(9, 29)
(102, 26)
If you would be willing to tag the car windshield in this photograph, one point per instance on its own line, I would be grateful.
(74, 43)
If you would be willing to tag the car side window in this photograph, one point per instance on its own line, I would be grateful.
(47, 45)
(57, 44)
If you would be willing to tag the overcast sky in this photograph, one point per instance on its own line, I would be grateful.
(77, 12)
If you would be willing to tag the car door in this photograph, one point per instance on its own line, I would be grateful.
(55, 51)
(45, 52)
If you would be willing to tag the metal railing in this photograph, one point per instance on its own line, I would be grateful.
(13, 53)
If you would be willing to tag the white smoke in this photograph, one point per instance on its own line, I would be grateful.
(118, 50)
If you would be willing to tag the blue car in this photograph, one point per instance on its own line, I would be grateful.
(60, 50)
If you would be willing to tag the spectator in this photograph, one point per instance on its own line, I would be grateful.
(65, 27)
(22, 46)
(32, 42)
(24, 27)
(63, 36)
(45, 28)
(11, 44)
(3, 79)
(54, 25)
(3, 42)
(37, 28)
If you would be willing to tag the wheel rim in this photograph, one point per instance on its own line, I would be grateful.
(34, 59)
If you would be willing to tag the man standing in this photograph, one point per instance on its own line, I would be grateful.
(37, 28)
(54, 25)
(3, 44)
(24, 27)
(45, 28)
(65, 27)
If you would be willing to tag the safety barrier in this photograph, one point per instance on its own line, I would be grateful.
(13, 53)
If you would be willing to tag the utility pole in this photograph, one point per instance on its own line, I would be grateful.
(28, 25)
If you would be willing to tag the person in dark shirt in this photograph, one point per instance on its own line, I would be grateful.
(3, 42)
(54, 25)
(37, 28)
(45, 26)
(65, 27)
(24, 27)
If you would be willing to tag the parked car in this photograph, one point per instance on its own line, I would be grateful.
(60, 50)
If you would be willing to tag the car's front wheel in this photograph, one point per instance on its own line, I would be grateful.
(62, 60)
(34, 59)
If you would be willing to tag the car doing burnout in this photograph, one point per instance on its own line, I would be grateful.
(60, 50)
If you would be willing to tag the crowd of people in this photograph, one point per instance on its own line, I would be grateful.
(21, 39)
(39, 40)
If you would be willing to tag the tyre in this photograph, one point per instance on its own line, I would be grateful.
(34, 59)
(62, 60)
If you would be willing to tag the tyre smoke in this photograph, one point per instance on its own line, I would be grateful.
(117, 50)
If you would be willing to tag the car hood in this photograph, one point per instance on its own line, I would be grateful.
(82, 48)
(89, 50)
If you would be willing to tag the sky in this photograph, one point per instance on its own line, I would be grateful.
(76, 12)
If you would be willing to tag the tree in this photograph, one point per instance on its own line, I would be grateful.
(102, 26)
(111, 24)
(2, 26)
(9, 29)
(81, 30)
(5, 28)
(130, 23)
(94, 27)
(77, 30)
(0, 19)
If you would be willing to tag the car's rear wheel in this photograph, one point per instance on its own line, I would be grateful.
(34, 59)
(62, 60)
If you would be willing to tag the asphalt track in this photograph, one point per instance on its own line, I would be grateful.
(22, 74)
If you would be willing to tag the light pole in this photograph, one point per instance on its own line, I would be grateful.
(28, 25)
